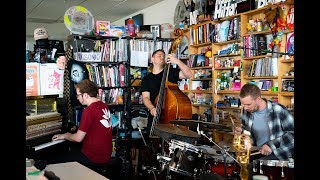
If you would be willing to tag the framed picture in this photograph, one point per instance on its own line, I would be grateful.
(103, 28)
(155, 29)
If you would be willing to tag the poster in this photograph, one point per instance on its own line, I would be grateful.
(32, 79)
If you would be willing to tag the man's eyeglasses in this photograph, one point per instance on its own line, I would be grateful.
(79, 95)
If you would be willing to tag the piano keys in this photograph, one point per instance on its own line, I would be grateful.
(48, 144)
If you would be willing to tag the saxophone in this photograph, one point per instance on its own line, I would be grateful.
(242, 145)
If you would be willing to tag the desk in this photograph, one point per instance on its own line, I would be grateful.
(74, 170)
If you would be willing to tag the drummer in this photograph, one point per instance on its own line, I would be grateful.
(271, 124)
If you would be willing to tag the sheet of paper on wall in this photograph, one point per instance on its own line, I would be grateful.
(139, 58)
(51, 79)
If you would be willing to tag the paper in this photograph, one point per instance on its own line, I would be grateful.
(139, 58)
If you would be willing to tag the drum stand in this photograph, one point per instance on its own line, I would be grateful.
(163, 160)
(224, 152)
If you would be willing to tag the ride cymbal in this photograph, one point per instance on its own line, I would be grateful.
(168, 128)
(202, 124)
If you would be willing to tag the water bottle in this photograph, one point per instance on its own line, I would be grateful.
(131, 27)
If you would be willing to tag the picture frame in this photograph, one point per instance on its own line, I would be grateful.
(156, 29)
(103, 28)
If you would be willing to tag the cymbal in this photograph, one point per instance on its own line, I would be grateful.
(175, 130)
(202, 124)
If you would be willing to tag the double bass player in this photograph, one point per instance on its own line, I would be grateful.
(151, 83)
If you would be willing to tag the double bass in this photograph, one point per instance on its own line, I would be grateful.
(171, 102)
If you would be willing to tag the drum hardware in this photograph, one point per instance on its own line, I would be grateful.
(151, 169)
(144, 141)
(224, 152)
(273, 169)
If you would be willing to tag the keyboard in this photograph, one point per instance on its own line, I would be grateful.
(48, 144)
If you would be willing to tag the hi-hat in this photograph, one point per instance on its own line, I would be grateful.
(202, 124)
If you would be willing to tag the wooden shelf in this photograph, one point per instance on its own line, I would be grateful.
(287, 93)
(257, 57)
(201, 45)
(261, 77)
(224, 43)
(287, 77)
(203, 105)
(227, 55)
(197, 91)
(203, 67)
(270, 93)
(258, 32)
(225, 68)
(287, 61)
(239, 108)
(228, 92)
(225, 18)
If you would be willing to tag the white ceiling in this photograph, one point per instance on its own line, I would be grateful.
(49, 13)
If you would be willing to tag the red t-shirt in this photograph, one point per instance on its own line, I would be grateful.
(96, 122)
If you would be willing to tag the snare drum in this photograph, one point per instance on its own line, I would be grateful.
(185, 158)
(274, 169)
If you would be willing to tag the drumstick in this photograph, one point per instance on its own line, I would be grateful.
(255, 153)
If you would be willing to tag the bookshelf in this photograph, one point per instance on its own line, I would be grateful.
(199, 87)
(276, 67)
(283, 65)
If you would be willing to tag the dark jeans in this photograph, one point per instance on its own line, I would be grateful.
(74, 154)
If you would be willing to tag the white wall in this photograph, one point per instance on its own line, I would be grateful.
(159, 13)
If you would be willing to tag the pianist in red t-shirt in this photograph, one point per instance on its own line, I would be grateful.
(95, 129)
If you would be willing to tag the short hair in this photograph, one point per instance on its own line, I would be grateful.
(87, 86)
(159, 50)
(250, 89)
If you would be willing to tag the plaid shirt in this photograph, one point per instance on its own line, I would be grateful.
(281, 126)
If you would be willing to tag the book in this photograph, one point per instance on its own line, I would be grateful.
(103, 28)
(289, 45)
(32, 79)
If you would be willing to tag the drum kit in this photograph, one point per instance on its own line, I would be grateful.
(185, 158)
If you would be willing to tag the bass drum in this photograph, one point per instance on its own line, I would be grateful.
(216, 166)
(211, 176)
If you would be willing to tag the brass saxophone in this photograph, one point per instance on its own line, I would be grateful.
(242, 145)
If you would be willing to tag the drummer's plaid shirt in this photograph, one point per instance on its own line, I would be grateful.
(281, 125)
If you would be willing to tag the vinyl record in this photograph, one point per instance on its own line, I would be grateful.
(79, 20)
(78, 71)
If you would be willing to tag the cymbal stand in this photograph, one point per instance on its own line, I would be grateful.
(224, 152)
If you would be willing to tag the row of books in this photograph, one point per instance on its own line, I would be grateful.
(263, 67)
(201, 34)
(109, 50)
(256, 44)
(107, 76)
(111, 96)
